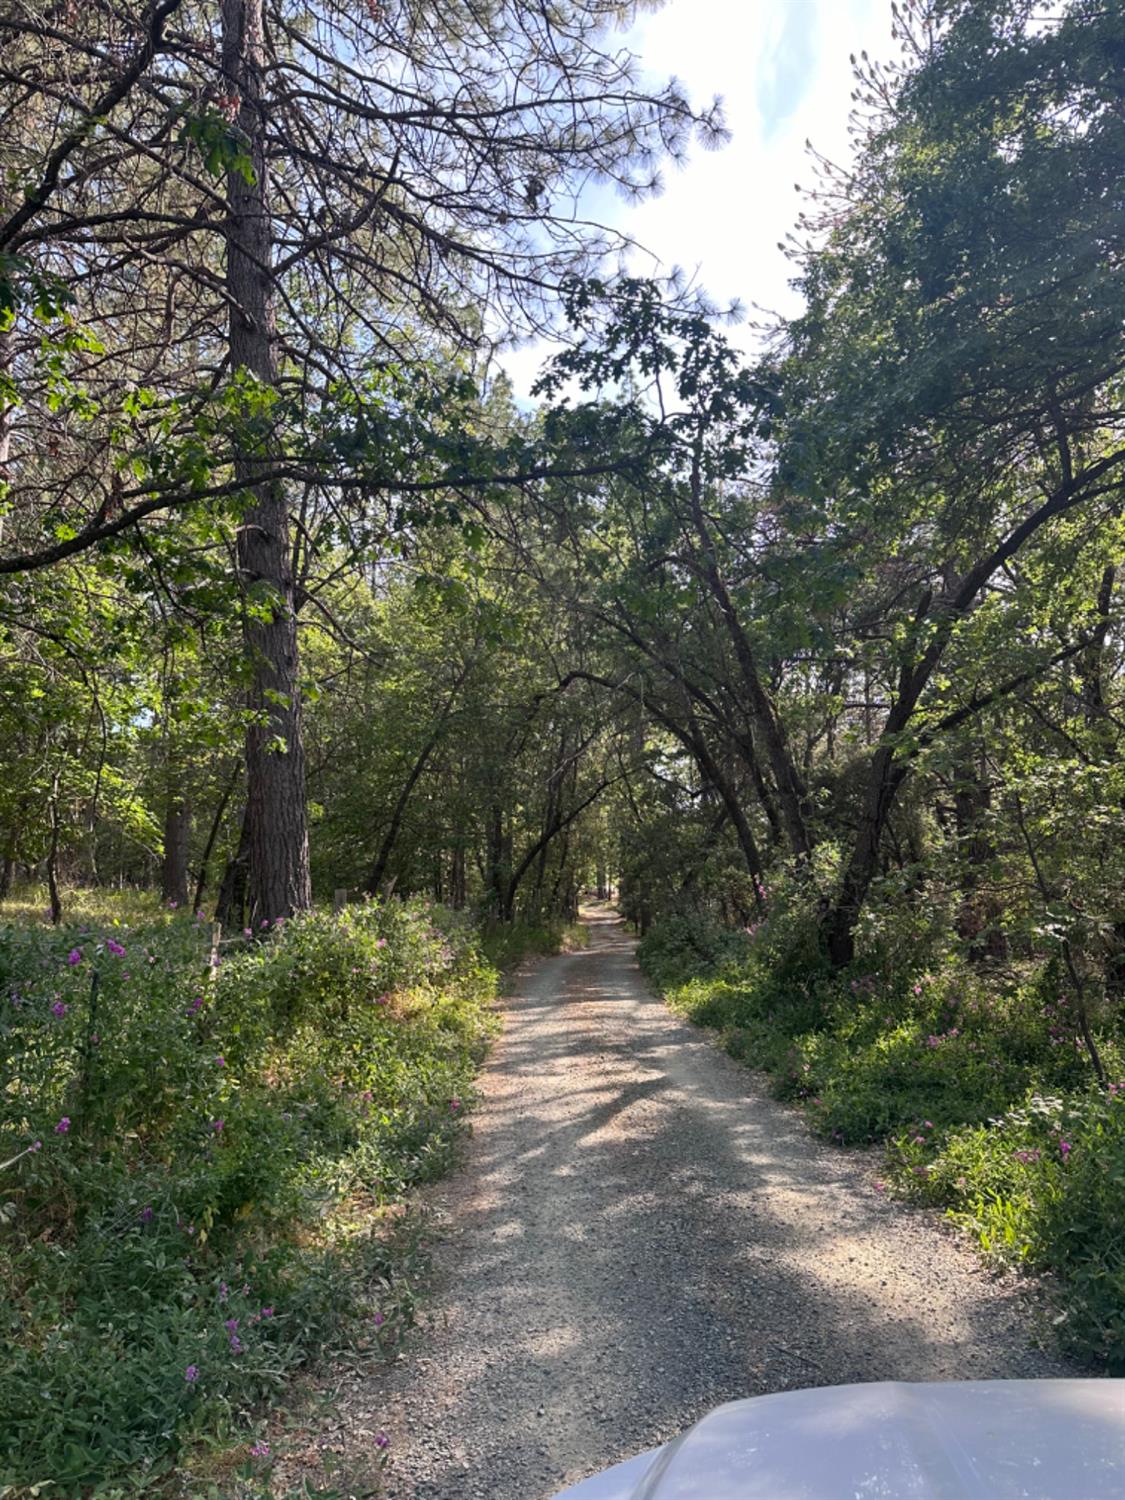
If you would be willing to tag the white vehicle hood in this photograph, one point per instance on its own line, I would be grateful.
(970, 1440)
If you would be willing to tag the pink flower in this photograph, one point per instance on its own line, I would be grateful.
(880, 1187)
(260, 1450)
(63, 1126)
(454, 1106)
(380, 942)
(217, 1126)
(379, 1320)
(74, 957)
(115, 948)
(1065, 1148)
(381, 1440)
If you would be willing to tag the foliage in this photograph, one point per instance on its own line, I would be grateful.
(980, 1086)
(197, 1207)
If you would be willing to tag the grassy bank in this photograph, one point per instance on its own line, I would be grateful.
(201, 1170)
(980, 1088)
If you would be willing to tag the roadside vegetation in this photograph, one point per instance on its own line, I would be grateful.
(978, 1083)
(209, 1168)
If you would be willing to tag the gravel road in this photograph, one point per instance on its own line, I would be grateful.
(640, 1233)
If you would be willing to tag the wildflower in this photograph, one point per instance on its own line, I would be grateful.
(59, 1009)
(880, 1187)
(191, 1374)
(382, 1440)
(217, 1126)
(36, 1146)
(63, 1126)
(454, 1106)
(147, 1214)
(111, 946)
(917, 989)
(380, 942)
(231, 1325)
(267, 1312)
(196, 1005)
(74, 957)
(919, 1140)
(379, 1320)
(927, 1124)
(172, 905)
(220, 1062)
(245, 1289)
(224, 1291)
(383, 999)
(264, 923)
(235, 1344)
(248, 932)
(260, 1450)
(1065, 1148)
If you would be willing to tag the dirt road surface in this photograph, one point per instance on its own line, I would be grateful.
(640, 1233)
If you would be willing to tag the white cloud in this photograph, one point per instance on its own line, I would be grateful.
(782, 69)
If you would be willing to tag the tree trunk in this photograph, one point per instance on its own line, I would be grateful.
(174, 865)
(791, 791)
(212, 837)
(275, 758)
(230, 907)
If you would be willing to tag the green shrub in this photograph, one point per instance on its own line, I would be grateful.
(193, 1210)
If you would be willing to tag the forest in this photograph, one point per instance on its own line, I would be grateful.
(334, 675)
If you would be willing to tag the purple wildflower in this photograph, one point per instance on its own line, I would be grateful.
(454, 1106)
(267, 1312)
(114, 947)
(147, 1214)
(235, 1344)
(191, 1374)
(224, 1291)
(36, 1146)
(231, 1325)
(260, 1450)
(1065, 1148)
(196, 1005)
(63, 1126)
(217, 1126)
(74, 957)
(379, 1320)
(220, 1062)
(382, 1440)
(59, 1010)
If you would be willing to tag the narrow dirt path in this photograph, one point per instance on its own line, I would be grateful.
(640, 1233)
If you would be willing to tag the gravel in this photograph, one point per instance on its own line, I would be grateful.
(640, 1233)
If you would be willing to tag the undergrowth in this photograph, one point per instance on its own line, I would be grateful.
(202, 1171)
(979, 1085)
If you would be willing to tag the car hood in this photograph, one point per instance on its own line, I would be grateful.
(969, 1440)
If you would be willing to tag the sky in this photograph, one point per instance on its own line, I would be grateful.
(782, 69)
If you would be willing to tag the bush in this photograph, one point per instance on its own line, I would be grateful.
(193, 1210)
